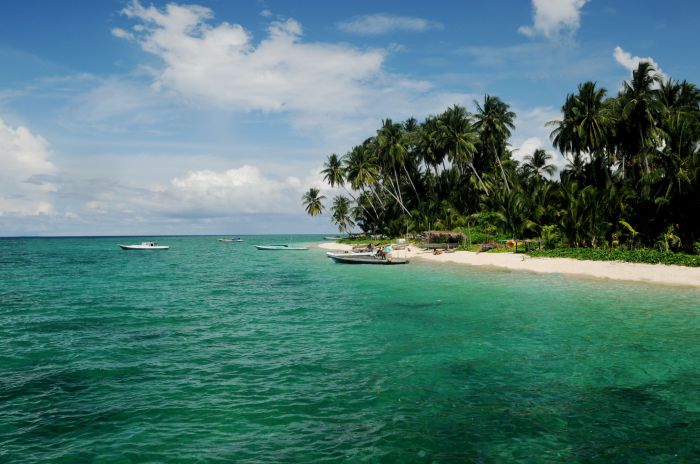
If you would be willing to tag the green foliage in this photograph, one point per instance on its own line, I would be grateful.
(550, 236)
(640, 255)
(632, 178)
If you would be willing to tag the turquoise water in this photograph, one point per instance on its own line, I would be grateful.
(215, 352)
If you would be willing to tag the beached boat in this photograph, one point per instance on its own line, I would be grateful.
(232, 239)
(145, 246)
(279, 248)
(351, 259)
(330, 254)
(332, 238)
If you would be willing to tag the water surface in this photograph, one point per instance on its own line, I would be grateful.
(217, 352)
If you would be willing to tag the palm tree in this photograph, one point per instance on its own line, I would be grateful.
(641, 108)
(392, 153)
(333, 172)
(341, 213)
(536, 165)
(313, 201)
(494, 121)
(458, 138)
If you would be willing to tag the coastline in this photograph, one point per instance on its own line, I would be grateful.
(658, 274)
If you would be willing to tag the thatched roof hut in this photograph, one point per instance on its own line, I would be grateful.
(443, 236)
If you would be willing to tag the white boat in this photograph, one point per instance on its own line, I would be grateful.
(332, 238)
(279, 248)
(232, 239)
(145, 246)
(331, 254)
(350, 259)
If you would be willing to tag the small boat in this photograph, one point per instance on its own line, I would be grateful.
(332, 238)
(330, 254)
(232, 239)
(145, 246)
(279, 248)
(351, 259)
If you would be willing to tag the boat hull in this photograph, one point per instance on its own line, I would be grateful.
(367, 260)
(330, 254)
(279, 248)
(142, 247)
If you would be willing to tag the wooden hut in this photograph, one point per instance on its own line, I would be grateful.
(443, 238)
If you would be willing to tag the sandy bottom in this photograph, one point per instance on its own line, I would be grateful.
(636, 272)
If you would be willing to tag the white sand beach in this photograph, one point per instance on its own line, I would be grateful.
(637, 272)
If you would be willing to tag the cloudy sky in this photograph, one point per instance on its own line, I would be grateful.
(121, 117)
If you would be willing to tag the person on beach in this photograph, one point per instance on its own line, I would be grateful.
(387, 252)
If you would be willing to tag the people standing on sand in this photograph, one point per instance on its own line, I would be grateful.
(387, 252)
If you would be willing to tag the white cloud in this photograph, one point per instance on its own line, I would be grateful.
(222, 65)
(631, 62)
(378, 24)
(532, 133)
(266, 13)
(122, 34)
(553, 18)
(25, 177)
(336, 91)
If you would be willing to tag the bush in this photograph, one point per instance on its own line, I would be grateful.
(639, 255)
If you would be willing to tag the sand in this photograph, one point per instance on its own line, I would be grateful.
(660, 274)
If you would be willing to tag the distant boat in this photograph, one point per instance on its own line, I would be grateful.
(332, 238)
(145, 246)
(232, 239)
(351, 259)
(279, 248)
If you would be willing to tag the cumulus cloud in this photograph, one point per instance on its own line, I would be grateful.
(631, 62)
(26, 174)
(222, 65)
(532, 133)
(378, 24)
(553, 18)
(336, 91)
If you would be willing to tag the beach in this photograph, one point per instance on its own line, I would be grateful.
(659, 274)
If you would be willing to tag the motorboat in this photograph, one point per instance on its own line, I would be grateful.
(332, 238)
(279, 248)
(231, 239)
(352, 259)
(330, 254)
(145, 246)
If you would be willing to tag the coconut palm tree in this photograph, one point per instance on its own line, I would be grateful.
(536, 165)
(640, 111)
(341, 214)
(457, 136)
(494, 121)
(313, 201)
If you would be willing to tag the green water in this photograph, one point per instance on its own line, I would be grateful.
(214, 352)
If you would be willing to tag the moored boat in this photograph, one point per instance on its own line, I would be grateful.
(145, 246)
(330, 254)
(332, 238)
(350, 259)
(279, 248)
(232, 239)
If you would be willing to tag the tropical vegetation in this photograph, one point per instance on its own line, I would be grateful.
(632, 178)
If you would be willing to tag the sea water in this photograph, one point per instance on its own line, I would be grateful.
(217, 352)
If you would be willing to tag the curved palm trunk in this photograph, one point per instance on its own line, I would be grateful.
(411, 181)
(481, 182)
(503, 172)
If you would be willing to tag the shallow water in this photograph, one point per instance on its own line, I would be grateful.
(218, 352)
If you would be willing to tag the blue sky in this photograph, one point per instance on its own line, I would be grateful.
(214, 117)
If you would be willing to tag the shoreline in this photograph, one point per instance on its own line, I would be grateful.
(657, 274)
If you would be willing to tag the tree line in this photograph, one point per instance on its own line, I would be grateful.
(631, 179)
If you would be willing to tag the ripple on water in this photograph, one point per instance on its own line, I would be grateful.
(220, 353)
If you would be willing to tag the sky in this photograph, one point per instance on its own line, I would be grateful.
(131, 117)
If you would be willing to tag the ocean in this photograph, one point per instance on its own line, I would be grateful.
(217, 352)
